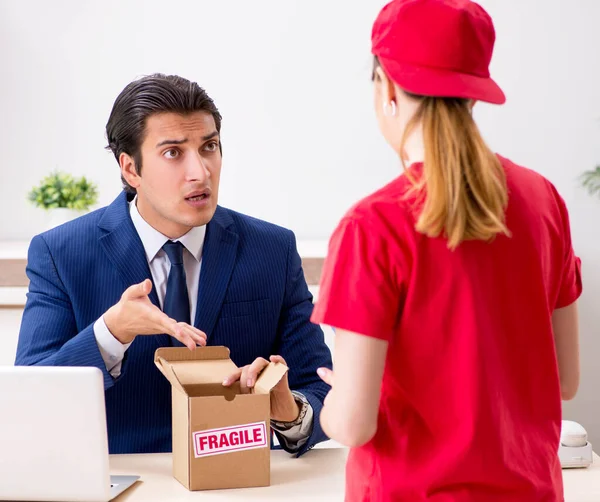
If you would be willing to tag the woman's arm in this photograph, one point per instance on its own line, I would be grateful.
(565, 323)
(350, 411)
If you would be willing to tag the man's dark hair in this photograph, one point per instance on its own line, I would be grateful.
(147, 96)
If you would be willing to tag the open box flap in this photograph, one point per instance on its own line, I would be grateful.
(165, 368)
(172, 354)
(204, 365)
(270, 377)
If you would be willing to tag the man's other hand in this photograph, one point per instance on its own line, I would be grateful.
(283, 405)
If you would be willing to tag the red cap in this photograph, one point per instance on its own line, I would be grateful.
(437, 48)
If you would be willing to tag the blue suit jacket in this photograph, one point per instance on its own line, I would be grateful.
(252, 298)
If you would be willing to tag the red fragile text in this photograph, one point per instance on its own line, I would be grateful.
(229, 439)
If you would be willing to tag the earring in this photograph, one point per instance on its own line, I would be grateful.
(392, 105)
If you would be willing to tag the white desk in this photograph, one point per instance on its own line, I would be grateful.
(317, 476)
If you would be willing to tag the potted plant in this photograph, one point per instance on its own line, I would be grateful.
(64, 197)
(591, 181)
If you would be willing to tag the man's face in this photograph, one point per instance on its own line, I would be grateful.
(181, 165)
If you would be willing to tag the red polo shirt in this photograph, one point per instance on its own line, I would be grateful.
(470, 407)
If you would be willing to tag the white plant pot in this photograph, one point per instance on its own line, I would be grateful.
(60, 215)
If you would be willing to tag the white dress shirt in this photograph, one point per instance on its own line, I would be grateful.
(113, 351)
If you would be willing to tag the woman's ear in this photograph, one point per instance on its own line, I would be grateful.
(386, 86)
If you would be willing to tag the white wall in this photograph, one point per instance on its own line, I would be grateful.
(295, 99)
(10, 322)
(292, 81)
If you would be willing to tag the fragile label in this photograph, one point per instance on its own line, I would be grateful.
(230, 439)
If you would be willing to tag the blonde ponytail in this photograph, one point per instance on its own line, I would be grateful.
(463, 185)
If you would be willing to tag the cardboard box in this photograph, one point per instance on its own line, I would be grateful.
(221, 438)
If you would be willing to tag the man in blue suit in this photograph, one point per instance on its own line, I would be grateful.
(164, 265)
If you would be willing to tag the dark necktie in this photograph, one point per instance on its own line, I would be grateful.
(177, 302)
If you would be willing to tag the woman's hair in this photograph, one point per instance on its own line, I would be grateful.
(463, 187)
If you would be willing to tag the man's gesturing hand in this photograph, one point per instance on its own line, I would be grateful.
(135, 314)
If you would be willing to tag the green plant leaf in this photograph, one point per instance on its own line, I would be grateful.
(63, 190)
(591, 181)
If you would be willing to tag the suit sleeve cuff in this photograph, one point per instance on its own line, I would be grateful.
(111, 350)
(295, 437)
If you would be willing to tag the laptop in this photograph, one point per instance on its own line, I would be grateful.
(53, 439)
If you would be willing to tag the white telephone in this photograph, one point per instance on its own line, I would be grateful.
(574, 450)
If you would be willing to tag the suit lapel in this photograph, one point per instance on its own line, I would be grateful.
(218, 260)
(123, 246)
